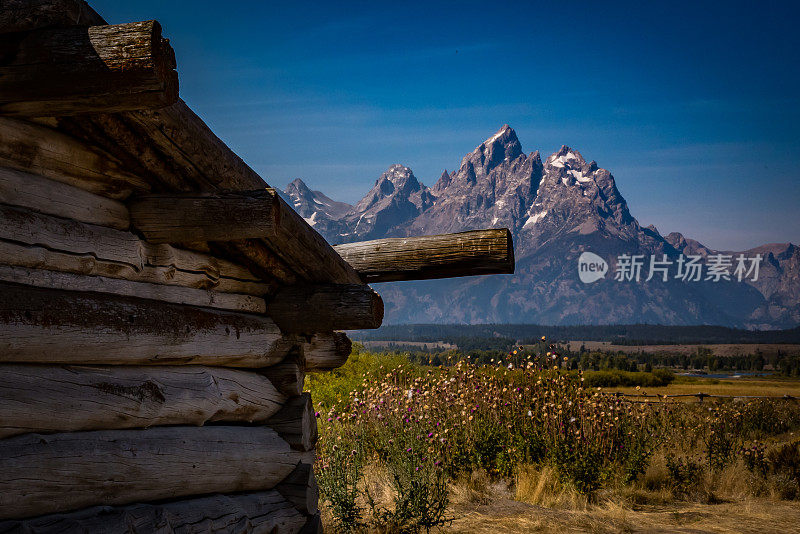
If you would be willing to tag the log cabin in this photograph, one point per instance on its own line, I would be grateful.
(160, 304)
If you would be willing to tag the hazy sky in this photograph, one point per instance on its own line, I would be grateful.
(694, 107)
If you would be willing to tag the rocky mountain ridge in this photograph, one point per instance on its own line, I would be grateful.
(556, 209)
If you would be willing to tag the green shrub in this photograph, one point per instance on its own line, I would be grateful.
(339, 471)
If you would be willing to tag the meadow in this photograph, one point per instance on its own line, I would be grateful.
(523, 444)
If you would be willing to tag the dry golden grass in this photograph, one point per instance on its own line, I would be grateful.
(539, 503)
(754, 516)
(542, 488)
(535, 501)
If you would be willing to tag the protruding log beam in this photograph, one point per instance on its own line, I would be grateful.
(436, 256)
(325, 351)
(266, 511)
(46, 398)
(69, 327)
(60, 472)
(295, 423)
(308, 309)
(100, 69)
(23, 15)
(287, 376)
(301, 489)
(232, 216)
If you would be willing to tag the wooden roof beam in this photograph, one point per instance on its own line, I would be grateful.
(97, 69)
(318, 308)
(435, 256)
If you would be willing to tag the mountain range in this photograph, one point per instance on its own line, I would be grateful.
(556, 209)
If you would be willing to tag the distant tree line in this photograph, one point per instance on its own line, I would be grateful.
(505, 335)
(547, 354)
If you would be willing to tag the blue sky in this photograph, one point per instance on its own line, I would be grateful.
(694, 107)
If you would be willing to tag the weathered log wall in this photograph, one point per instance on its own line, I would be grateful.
(267, 511)
(67, 471)
(50, 398)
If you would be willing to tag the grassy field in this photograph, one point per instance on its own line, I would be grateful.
(528, 448)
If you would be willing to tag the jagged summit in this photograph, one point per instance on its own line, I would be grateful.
(397, 182)
(396, 198)
(503, 146)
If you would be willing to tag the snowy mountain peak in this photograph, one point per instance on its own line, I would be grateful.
(397, 181)
(401, 178)
(566, 157)
(503, 146)
(297, 187)
(505, 136)
(396, 198)
(314, 206)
